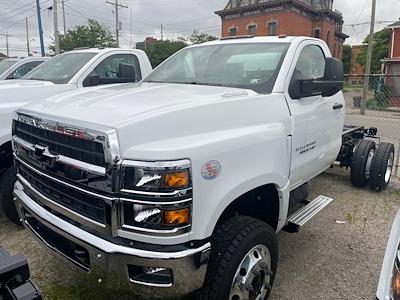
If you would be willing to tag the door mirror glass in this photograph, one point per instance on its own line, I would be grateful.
(316, 75)
(92, 80)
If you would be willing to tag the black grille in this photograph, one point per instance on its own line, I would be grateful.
(83, 150)
(81, 203)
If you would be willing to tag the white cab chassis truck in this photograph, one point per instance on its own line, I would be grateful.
(69, 71)
(181, 184)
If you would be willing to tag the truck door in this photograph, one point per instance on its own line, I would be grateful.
(117, 68)
(317, 122)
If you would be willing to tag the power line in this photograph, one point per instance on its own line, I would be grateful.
(117, 7)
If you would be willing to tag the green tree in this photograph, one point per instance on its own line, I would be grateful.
(161, 50)
(197, 37)
(92, 35)
(346, 58)
(380, 50)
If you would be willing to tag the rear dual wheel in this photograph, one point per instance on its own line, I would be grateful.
(361, 164)
(382, 167)
(372, 165)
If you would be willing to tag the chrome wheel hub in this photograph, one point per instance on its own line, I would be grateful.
(389, 168)
(253, 275)
(369, 162)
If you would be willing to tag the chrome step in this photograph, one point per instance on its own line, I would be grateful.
(305, 214)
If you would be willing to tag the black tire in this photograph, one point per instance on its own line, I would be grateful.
(379, 166)
(6, 195)
(358, 175)
(230, 243)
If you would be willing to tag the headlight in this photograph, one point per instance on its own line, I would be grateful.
(396, 278)
(156, 196)
(157, 178)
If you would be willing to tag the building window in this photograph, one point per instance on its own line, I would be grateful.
(252, 29)
(334, 50)
(328, 37)
(272, 28)
(317, 33)
(233, 31)
(339, 51)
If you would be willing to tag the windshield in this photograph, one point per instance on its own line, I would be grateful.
(6, 64)
(252, 66)
(61, 68)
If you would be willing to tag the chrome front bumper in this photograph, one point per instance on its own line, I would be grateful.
(109, 261)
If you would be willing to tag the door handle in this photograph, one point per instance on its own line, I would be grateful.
(337, 106)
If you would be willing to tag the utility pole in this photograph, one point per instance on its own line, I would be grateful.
(39, 16)
(27, 37)
(6, 35)
(369, 58)
(55, 21)
(117, 6)
(162, 32)
(8, 50)
(63, 12)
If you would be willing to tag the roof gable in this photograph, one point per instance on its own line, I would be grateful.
(394, 25)
(316, 4)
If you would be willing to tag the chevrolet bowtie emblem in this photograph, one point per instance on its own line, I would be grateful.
(44, 157)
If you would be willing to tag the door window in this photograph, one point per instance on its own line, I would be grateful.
(24, 69)
(119, 68)
(311, 63)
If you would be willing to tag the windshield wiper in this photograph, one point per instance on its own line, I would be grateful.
(185, 82)
(34, 79)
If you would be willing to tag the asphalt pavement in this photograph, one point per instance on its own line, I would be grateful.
(325, 260)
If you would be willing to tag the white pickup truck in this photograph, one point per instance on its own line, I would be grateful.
(66, 72)
(181, 183)
(15, 68)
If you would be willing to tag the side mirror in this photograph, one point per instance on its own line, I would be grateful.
(91, 80)
(331, 84)
(127, 73)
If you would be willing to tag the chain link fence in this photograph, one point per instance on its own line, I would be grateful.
(380, 109)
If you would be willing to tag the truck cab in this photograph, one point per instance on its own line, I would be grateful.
(193, 171)
(69, 71)
(16, 68)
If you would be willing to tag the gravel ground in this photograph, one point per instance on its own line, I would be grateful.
(326, 260)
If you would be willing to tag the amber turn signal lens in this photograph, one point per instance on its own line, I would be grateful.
(173, 217)
(396, 284)
(175, 180)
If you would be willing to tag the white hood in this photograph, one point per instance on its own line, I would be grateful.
(119, 105)
(155, 115)
(27, 91)
(17, 93)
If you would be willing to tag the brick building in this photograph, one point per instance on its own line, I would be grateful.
(146, 43)
(392, 64)
(356, 70)
(314, 18)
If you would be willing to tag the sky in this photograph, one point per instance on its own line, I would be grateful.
(179, 17)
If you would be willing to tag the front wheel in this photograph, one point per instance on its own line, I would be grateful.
(243, 261)
(6, 194)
